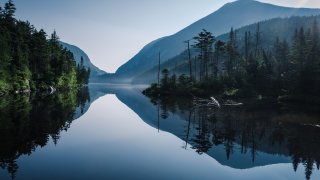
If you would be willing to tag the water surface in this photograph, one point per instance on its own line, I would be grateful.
(107, 132)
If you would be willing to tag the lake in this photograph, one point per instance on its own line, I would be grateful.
(115, 132)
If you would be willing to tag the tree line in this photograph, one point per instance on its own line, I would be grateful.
(31, 61)
(245, 66)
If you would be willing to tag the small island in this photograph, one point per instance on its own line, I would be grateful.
(248, 65)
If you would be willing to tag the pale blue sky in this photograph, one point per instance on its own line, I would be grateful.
(112, 31)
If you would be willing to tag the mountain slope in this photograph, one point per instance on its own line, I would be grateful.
(236, 14)
(283, 28)
(78, 53)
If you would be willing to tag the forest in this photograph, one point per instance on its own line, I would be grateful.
(248, 65)
(29, 61)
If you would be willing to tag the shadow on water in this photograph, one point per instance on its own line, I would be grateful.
(256, 134)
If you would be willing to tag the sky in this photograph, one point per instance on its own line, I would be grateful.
(112, 31)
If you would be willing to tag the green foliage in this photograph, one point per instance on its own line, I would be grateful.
(204, 42)
(4, 87)
(152, 90)
(83, 73)
(231, 92)
(171, 85)
(28, 60)
(247, 66)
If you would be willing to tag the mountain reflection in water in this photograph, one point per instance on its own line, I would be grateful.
(255, 134)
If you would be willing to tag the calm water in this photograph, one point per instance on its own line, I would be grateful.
(107, 132)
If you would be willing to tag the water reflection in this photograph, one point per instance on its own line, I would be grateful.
(256, 134)
(29, 121)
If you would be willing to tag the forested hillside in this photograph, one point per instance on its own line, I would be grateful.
(280, 58)
(270, 30)
(81, 55)
(234, 14)
(30, 61)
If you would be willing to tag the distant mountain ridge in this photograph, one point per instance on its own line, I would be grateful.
(78, 53)
(236, 14)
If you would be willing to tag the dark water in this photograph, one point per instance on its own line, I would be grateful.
(107, 132)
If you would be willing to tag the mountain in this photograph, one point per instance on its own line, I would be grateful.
(270, 30)
(236, 14)
(78, 53)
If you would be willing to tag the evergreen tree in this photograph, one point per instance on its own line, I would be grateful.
(29, 61)
(247, 44)
(219, 51)
(257, 40)
(232, 52)
(204, 42)
(252, 65)
(9, 10)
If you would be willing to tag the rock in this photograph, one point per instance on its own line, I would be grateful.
(26, 91)
(52, 89)
(232, 103)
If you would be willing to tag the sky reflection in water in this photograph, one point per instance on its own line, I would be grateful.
(111, 141)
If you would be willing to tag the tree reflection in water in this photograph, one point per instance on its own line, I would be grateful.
(252, 130)
(28, 122)
(255, 127)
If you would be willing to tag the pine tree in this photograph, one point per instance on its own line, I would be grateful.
(27, 58)
(165, 80)
(247, 44)
(1, 13)
(189, 58)
(313, 63)
(232, 53)
(219, 50)
(257, 41)
(204, 42)
(9, 10)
